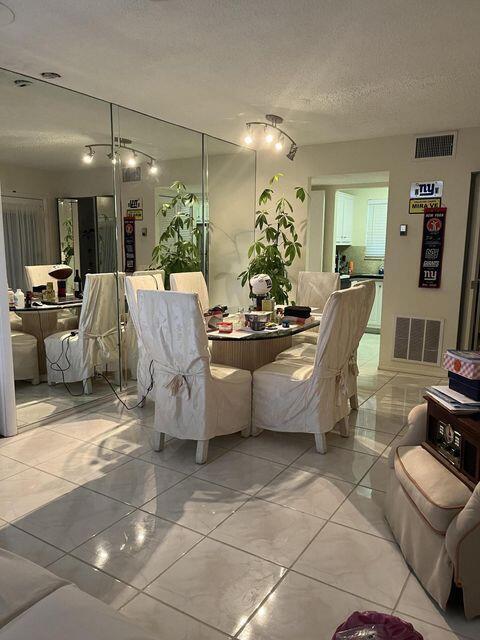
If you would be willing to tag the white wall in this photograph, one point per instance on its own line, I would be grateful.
(395, 154)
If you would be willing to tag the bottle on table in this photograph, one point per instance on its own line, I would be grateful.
(77, 285)
(28, 300)
(19, 299)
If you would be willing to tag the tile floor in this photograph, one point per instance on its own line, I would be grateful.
(269, 540)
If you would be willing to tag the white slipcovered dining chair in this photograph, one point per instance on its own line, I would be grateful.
(25, 357)
(313, 290)
(300, 396)
(37, 275)
(191, 282)
(152, 272)
(74, 356)
(306, 351)
(138, 359)
(194, 399)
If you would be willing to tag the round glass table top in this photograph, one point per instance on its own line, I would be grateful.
(265, 334)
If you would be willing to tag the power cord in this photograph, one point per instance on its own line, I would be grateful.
(141, 402)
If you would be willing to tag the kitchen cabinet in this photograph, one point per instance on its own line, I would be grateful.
(343, 218)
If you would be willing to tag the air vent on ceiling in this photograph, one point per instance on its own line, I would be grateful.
(132, 174)
(418, 340)
(440, 145)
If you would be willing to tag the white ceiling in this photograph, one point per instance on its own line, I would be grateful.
(335, 69)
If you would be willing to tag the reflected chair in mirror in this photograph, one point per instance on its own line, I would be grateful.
(37, 275)
(194, 399)
(306, 351)
(299, 396)
(75, 356)
(313, 290)
(138, 359)
(191, 282)
(25, 357)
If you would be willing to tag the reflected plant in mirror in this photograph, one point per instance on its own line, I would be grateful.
(67, 244)
(278, 246)
(178, 249)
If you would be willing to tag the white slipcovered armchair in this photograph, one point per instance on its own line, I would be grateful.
(139, 360)
(435, 518)
(25, 357)
(313, 290)
(74, 355)
(312, 397)
(37, 275)
(191, 282)
(306, 351)
(194, 399)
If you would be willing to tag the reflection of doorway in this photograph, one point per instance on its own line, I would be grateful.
(469, 325)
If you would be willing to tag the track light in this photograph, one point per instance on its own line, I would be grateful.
(88, 156)
(152, 168)
(293, 151)
(132, 161)
(271, 130)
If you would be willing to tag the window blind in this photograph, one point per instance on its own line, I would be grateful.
(376, 230)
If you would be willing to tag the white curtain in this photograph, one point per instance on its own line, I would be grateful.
(24, 229)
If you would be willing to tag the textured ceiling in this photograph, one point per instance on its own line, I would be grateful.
(335, 69)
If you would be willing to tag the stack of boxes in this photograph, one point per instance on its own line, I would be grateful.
(463, 372)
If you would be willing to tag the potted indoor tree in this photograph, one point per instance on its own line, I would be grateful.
(174, 253)
(278, 246)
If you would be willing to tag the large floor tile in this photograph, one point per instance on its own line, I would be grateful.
(92, 581)
(377, 420)
(362, 440)
(86, 425)
(302, 609)
(42, 410)
(117, 409)
(39, 445)
(356, 562)
(9, 467)
(378, 475)
(218, 585)
(164, 622)
(131, 438)
(363, 510)
(135, 482)
(137, 548)
(85, 462)
(273, 532)
(196, 504)
(179, 455)
(25, 545)
(240, 471)
(29, 491)
(342, 464)
(72, 518)
(416, 603)
(283, 448)
(308, 492)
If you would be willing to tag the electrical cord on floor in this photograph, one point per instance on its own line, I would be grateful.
(141, 402)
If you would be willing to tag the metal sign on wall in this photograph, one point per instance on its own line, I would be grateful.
(418, 205)
(432, 248)
(433, 189)
(129, 244)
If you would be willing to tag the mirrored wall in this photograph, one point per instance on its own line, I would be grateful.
(89, 187)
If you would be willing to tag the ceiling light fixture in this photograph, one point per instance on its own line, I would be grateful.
(270, 127)
(114, 154)
(88, 156)
(50, 75)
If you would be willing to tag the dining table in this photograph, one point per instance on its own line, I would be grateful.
(248, 349)
(41, 320)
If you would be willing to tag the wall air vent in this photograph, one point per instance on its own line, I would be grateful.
(435, 146)
(132, 174)
(418, 340)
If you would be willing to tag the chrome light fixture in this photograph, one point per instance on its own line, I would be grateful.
(115, 156)
(270, 128)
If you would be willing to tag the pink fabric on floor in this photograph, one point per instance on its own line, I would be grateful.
(381, 625)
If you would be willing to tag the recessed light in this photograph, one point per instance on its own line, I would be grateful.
(22, 82)
(50, 75)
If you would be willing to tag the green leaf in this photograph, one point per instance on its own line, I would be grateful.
(275, 178)
(300, 193)
(265, 196)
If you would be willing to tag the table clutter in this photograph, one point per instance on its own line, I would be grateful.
(462, 395)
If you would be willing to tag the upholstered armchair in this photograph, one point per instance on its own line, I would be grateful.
(435, 518)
